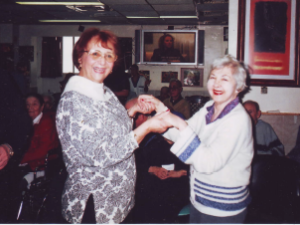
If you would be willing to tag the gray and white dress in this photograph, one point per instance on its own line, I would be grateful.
(98, 143)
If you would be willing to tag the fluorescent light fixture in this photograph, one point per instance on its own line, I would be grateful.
(178, 17)
(141, 17)
(162, 17)
(70, 21)
(60, 3)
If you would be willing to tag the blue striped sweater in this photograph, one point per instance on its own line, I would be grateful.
(220, 155)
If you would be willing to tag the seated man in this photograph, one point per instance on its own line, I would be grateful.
(162, 187)
(164, 93)
(176, 102)
(266, 140)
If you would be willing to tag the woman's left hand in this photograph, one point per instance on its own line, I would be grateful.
(177, 174)
(145, 107)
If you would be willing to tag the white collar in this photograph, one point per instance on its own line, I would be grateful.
(38, 119)
(86, 87)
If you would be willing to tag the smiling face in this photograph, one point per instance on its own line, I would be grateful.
(96, 69)
(34, 107)
(222, 86)
(168, 42)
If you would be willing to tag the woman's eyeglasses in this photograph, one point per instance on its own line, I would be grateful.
(109, 57)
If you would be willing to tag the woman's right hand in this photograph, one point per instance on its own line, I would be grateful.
(150, 99)
(160, 172)
(158, 124)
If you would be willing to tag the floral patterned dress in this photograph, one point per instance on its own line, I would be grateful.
(98, 143)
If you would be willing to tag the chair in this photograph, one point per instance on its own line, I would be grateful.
(33, 199)
(196, 102)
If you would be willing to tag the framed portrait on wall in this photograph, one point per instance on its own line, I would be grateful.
(192, 77)
(7, 56)
(268, 41)
(167, 76)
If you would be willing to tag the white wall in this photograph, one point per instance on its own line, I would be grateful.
(283, 99)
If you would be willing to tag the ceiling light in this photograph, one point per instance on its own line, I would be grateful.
(60, 3)
(141, 17)
(179, 17)
(70, 21)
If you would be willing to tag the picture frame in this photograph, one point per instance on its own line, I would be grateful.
(268, 45)
(26, 53)
(225, 34)
(167, 76)
(192, 77)
(7, 56)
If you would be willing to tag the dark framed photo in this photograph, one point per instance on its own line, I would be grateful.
(26, 53)
(167, 76)
(268, 35)
(7, 56)
(192, 77)
(225, 33)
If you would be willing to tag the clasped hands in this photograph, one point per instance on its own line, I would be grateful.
(163, 174)
(148, 103)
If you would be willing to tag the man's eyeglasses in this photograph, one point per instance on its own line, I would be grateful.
(109, 57)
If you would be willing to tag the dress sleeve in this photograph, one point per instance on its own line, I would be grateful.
(234, 135)
(90, 137)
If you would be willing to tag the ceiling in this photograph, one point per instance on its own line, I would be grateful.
(208, 12)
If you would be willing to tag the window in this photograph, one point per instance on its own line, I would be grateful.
(67, 46)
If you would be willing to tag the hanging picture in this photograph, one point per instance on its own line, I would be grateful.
(167, 76)
(191, 77)
(268, 41)
(26, 53)
(6, 56)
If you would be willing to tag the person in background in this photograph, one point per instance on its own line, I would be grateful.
(118, 82)
(15, 128)
(138, 84)
(217, 143)
(176, 102)
(62, 84)
(266, 141)
(48, 104)
(43, 140)
(166, 51)
(95, 131)
(164, 93)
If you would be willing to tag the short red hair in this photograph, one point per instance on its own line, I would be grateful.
(104, 37)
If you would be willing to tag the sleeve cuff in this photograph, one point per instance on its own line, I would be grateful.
(186, 144)
(134, 142)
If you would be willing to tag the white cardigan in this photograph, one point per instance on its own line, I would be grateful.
(220, 155)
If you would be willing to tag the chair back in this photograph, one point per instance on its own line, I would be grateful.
(196, 102)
